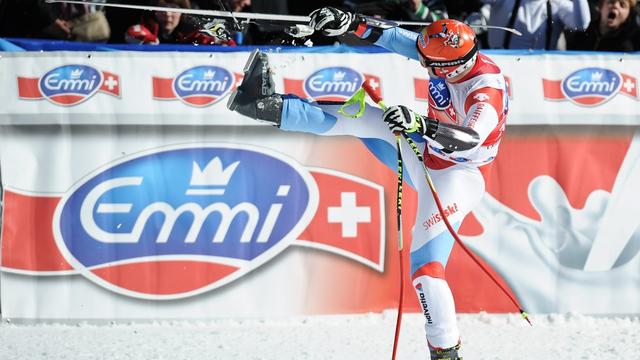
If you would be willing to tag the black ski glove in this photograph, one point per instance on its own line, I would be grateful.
(334, 22)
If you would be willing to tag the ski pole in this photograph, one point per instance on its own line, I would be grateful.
(464, 247)
(378, 100)
(436, 198)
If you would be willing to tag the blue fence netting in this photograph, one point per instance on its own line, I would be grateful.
(23, 44)
(19, 44)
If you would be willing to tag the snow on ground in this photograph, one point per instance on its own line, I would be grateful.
(358, 337)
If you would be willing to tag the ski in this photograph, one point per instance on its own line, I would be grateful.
(200, 12)
(254, 16)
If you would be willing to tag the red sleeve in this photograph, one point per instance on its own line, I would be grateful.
(140, 34)
(203, 39)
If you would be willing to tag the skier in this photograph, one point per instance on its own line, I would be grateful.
(466, 88)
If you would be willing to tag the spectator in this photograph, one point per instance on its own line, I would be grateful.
(478, 20)
(255, 32)
(259, 6)
(76, 22)
(271, 6)
(540, 21)
(240, 5)
(121, 19)
(259, 32)
(461, 9)
(408, 10)
(222, 5)
(306, 7)
(22, 18)
(173, 28)
(613, 29)
(430, 10)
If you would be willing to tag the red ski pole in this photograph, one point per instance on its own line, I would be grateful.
(378, 100)
(432, 187)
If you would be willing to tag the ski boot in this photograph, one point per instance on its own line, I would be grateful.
(256, 97)
(445, 354)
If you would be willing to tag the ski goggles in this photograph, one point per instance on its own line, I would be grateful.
(449, 68)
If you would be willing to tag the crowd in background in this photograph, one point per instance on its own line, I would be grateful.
(601, 25)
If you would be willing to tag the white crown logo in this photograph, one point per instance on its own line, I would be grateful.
(213, 175)
(209, 75)
(596, 76)
(76, 74)
(339, 76)
(441, 86)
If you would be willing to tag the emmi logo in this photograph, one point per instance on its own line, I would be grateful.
(593, 83)
(331, 84)
(591, 86)
(211, 181)
(340, 81)
(198, 86)
(183, 206)
(69, 85)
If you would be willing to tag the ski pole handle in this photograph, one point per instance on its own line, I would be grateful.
(378, 100)
(358, 98)
(373, 95)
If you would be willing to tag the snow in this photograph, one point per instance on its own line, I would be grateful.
(368, 336)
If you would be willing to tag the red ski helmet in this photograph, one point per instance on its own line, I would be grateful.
(448, 47)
